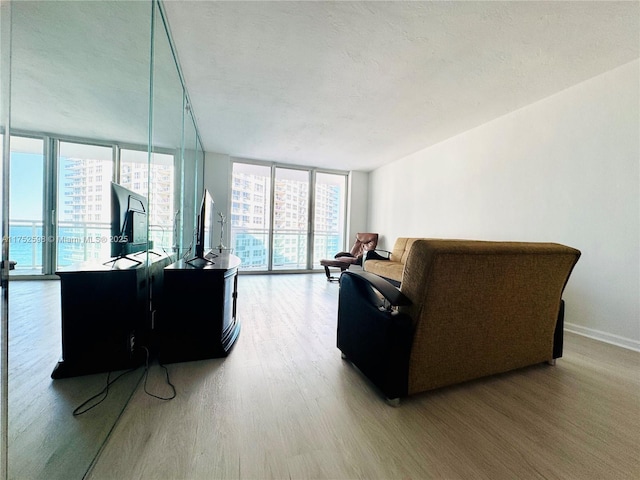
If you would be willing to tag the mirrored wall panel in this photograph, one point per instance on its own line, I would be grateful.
(105, 171)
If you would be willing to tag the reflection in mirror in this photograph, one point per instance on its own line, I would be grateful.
(26, 164)
(155, 181)
(5, 60)
(192, 180)
(81, 104)
(80, 87)
(84, 71)
(83, 218)
(166, 138)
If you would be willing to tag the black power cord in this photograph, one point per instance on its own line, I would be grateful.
(166, 373)
(83, 408)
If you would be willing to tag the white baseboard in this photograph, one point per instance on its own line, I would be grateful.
(603, 336)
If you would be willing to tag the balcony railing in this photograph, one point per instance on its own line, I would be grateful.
(326, 244)
(289, 248)
(75, 242)
(25, 245)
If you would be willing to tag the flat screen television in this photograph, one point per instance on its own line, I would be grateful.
(129, 218)
(204, 224)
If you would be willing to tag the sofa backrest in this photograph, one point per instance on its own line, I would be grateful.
(401, 249)
(482, 307)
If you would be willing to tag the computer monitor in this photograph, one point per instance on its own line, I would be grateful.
(129, 220)
(203, 238)
(205, 224)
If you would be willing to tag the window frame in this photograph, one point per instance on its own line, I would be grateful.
(312, 175)
(51, 143)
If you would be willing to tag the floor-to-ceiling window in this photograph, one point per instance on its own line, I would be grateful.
(290, 219)
(286, 218)
(155, 180)
(250, 215)
(27, 239)
(330, 202)
(61, 200)
(85, 173)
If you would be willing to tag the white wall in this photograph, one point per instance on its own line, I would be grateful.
(357, 205)
(217, 179)
(564, 169)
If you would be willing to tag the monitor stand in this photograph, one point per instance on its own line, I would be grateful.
(121, 257)
(127, 257)
(199, 262)
(203, 260)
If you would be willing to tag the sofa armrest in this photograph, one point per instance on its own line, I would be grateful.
(375, 340)
(374, 255)
(343, 254)
(391, 293)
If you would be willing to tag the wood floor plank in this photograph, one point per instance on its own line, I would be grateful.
(45, 439)
(285, 405)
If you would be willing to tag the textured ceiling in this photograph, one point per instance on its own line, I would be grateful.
(353, 85)
(81, 69)
(341, 85)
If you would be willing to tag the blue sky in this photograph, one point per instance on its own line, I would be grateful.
(27, 170)
(26, 174)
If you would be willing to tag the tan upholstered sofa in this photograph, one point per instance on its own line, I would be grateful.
(389, 265)
(465, 309)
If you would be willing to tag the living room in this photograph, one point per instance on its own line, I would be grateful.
(558, 163)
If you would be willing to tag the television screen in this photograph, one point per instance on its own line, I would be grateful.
(129, 217)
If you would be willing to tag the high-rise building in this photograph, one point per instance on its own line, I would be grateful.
(250, 220)
(86, 211)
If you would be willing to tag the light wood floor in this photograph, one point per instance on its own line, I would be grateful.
(284, 405)
(45, 440)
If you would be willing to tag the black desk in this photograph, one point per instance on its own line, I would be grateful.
(106, 314)
(198, 315)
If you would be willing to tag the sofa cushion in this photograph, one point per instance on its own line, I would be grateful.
(385, 268)
(393, 268)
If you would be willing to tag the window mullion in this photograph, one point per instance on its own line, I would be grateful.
(50, 207)
(311, 215)
(272, 196)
